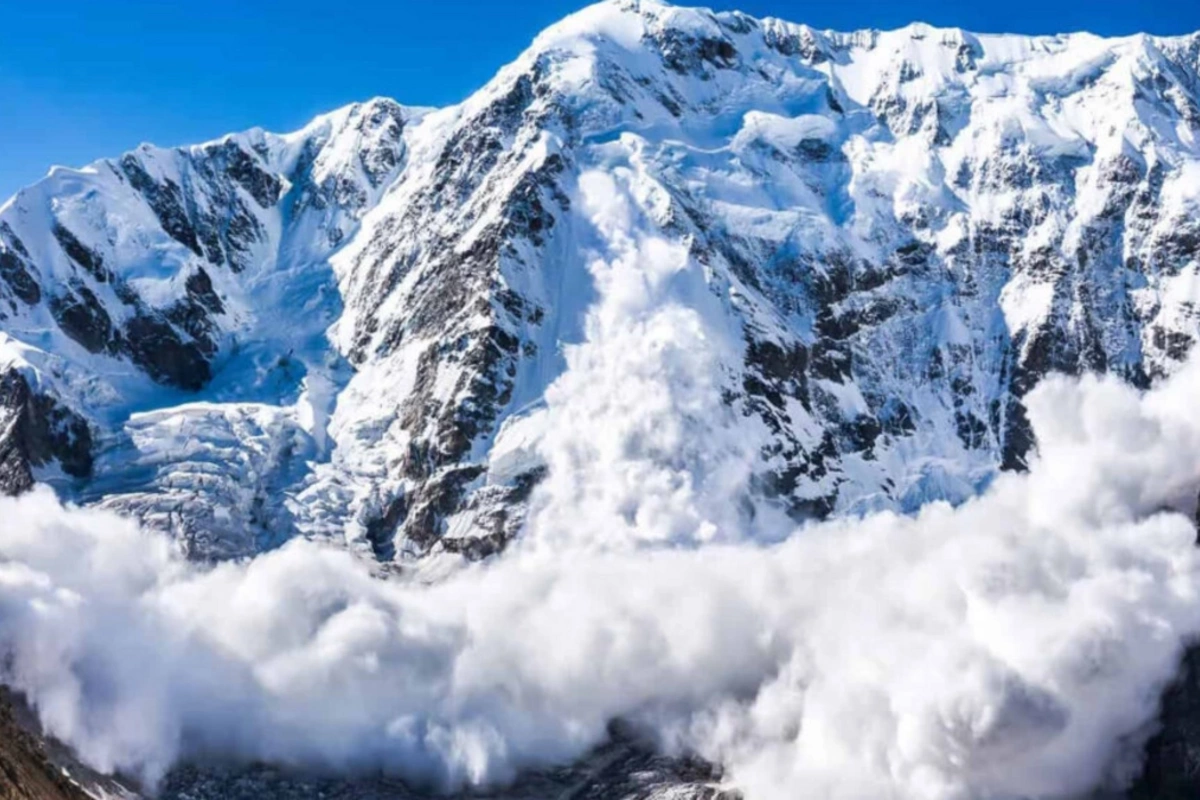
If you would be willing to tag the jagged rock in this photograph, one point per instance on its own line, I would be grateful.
(35, 430)
(890, 304)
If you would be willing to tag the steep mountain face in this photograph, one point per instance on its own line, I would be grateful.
(164, 318)
(359, 330)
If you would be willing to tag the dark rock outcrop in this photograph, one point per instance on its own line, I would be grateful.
(623, 769)
(26, 771)
(35, 429)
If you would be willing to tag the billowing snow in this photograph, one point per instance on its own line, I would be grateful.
(1009, 648)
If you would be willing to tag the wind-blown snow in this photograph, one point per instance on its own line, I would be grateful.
(1012, 647)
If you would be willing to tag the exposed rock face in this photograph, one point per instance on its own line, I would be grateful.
(1172, 768)
(36, 430)
(26, 773)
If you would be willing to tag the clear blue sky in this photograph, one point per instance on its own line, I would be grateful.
(81, 79)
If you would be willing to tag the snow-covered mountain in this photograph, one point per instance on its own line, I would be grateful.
(884, 238)
(671, 278)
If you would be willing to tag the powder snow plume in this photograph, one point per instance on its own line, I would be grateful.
(1014, 646)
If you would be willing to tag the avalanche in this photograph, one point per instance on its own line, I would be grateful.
(1011, 647)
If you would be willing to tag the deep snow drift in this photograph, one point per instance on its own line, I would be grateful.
(1015, 646)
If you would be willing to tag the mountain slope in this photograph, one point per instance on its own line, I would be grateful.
(162, 289)
(349, 331)
(670, 278)
(25, 771)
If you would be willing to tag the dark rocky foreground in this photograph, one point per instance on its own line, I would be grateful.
(620, 770)
(35, 768)
(32, 768)
(26, 771)
(1172, 769)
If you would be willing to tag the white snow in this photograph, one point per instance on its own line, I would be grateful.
(1010, 648)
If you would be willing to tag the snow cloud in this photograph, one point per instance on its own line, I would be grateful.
(1014, 646)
